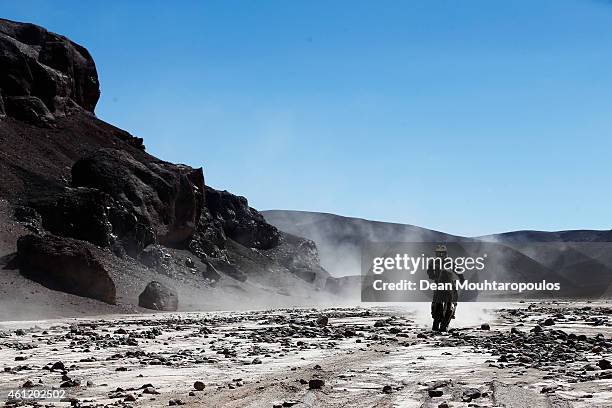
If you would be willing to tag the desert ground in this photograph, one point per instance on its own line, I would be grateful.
(496, 355)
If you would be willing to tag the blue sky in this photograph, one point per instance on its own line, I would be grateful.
(470, 117)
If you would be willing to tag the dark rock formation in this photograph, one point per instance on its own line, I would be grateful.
(155, 257)
(158, 297)
(300, 256)
(29, 109)
(240, 222)
(91, 215)
(65, 264)
(166, 197)
(29, 218)
(38, 65)
(209, 238)
(80, 213)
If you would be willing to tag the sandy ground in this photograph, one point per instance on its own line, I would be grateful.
(367, 357)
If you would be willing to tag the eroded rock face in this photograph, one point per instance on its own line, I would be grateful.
(66, 264)
(91, 215)
(164, 196)
(29, 109)
(158, 297)
(49, 67)
(209, 238)
(240, 222)
(80, 213)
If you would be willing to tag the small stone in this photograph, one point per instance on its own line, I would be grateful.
(70, 383)
(435, 393)
(549, 322)
(485, 326)
(387, 389)
(316, 383)
(199, 385)
(130, 398)
(471, 393)
(256, 360)
(58, 366)
(322, 320)
(604, 364)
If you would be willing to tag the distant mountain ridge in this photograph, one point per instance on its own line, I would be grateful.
(582, 259)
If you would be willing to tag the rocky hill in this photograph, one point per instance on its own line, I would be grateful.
(85, 210)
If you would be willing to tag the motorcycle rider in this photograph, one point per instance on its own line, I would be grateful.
(444, 302)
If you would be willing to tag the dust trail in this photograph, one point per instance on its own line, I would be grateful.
(469, 314)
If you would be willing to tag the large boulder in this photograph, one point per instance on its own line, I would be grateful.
(66, 264)
(166, 197)
(48, 66)
(240, 222)
(158, 297)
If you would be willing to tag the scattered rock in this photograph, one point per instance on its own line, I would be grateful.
(471, 393)
(604, 364)
(130, 398)
(316, 383)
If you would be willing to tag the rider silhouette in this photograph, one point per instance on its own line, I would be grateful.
(444, 302)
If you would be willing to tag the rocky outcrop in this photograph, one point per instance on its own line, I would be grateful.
(66, 264)
(80, 213)
(74, 177)
(44, 75)
(240, 222)
(29, 109)
(158, 297)
(165, 197)
(300, 256)
(209, 238)
(91, 215)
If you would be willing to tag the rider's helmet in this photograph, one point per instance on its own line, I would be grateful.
(441, 251)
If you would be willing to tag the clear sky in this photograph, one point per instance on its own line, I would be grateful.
(470, 117)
